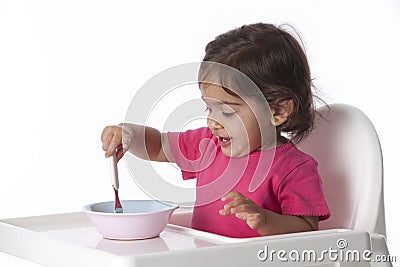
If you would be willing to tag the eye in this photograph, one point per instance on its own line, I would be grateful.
(227, 111)
(228, 114)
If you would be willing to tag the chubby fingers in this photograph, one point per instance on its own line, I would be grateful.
(244, 209)
(238, 205)
(111, 138)
(232, 195)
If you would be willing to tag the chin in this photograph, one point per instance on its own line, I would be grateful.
(234, 154)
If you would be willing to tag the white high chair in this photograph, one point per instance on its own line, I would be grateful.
(347, 148)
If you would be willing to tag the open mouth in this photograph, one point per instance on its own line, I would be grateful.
(224, 141)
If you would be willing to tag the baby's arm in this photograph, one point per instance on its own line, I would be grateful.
(142, 141)
(266, 222)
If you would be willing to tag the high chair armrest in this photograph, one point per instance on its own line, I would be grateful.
(181, 217)
(380, 251)
(298, 249)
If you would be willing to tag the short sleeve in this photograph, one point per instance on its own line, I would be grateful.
(192, 150)
(301, 193)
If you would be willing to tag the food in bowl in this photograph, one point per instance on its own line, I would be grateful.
(141, 218)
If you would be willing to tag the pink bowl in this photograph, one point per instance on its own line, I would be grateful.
(141, 218)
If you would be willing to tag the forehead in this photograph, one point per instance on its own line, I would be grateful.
(212, 92)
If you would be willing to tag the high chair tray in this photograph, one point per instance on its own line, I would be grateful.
(71, 240)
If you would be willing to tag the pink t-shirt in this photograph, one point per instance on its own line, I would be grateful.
(286, 182)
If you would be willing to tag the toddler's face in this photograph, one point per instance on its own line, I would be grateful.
(234, 122)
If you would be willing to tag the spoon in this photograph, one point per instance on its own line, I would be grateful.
(115, 183)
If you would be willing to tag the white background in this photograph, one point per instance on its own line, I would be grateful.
(69, 68)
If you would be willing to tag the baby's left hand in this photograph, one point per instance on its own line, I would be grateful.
(245, 209)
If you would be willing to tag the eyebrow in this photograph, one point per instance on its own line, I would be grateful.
(224, 102)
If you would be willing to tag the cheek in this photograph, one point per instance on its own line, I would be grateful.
(252, 132)
(237, 126)
(249, 123)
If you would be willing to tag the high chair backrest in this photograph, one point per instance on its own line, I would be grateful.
(347, 148)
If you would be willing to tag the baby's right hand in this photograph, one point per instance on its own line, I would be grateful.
(112, 141)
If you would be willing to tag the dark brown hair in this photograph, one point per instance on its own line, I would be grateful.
(275, 61)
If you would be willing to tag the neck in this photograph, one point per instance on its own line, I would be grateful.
(281, 141)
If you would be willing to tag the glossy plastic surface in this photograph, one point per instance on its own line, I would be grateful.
(141, 218)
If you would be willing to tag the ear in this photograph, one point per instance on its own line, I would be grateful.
(281, 115)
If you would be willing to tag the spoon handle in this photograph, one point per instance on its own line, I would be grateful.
(114, 172)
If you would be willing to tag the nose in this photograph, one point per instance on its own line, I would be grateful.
(213, 124)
